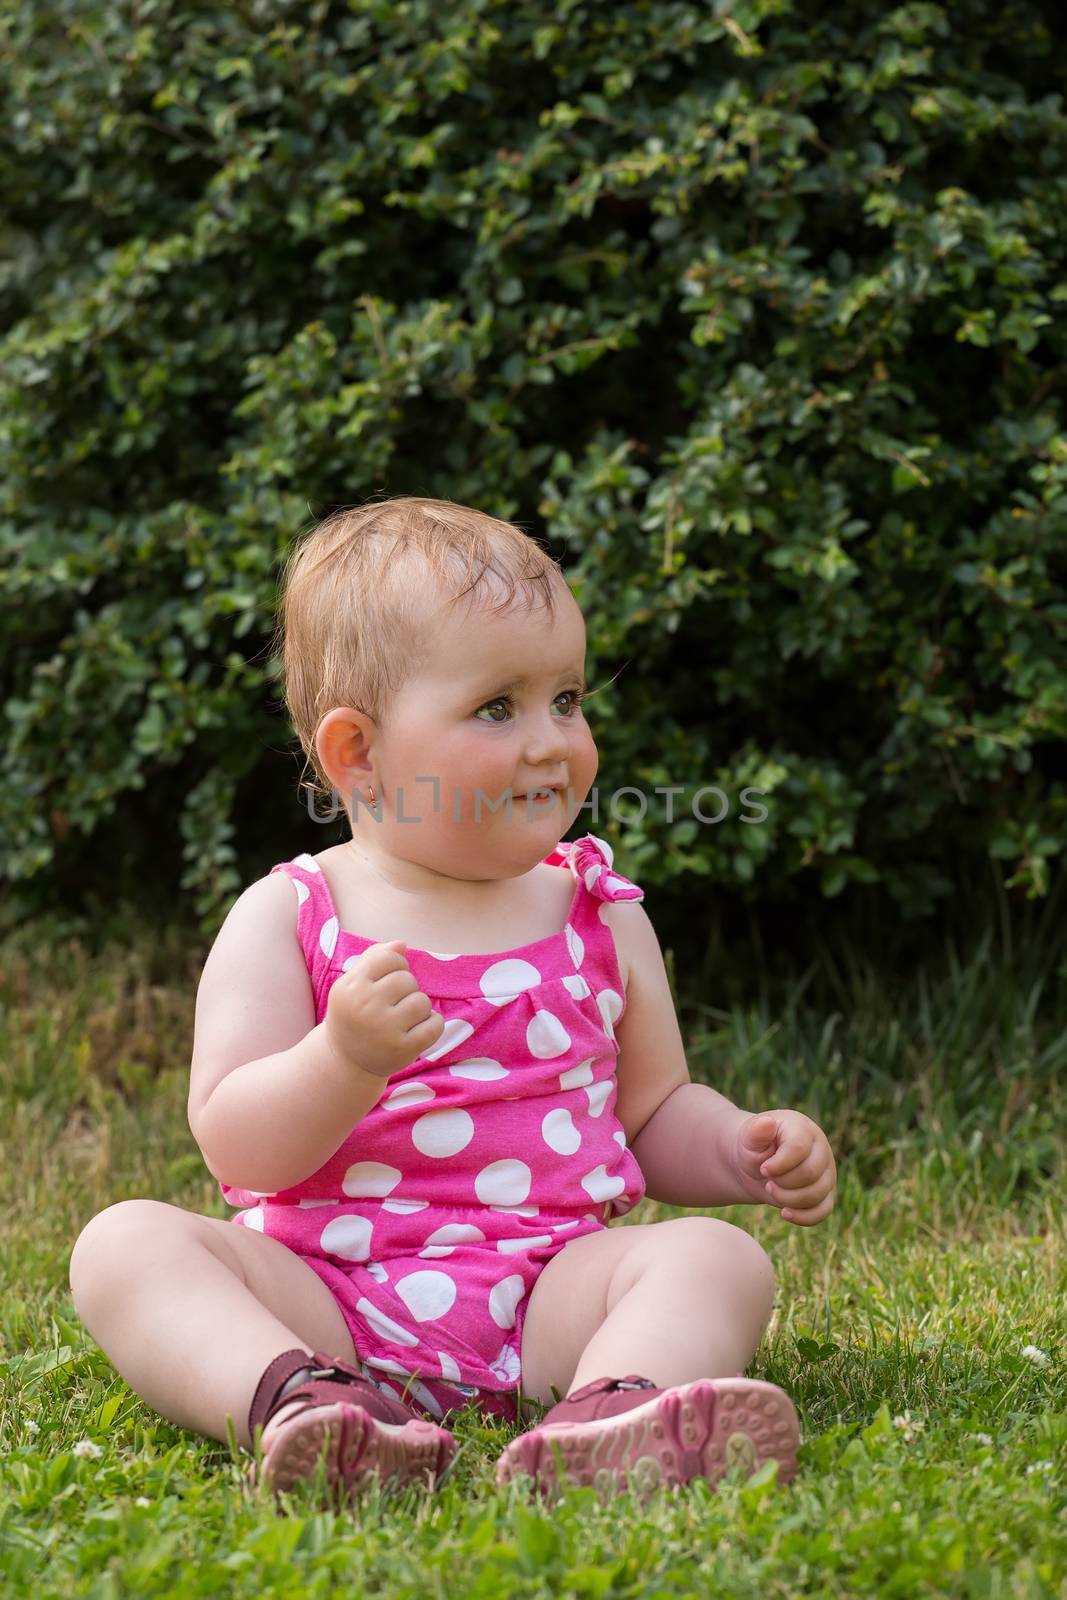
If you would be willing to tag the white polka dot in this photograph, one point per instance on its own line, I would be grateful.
(404, 1207)
(559, 1133)
(304, 1204)
(302, 893)
(383, 1364)
(593, 873)
(577, 1077)
(611, 882)
(449, 1368)
(575, 945)
(576, 986)
(377, 1272)
(505, 1183)
(546, 1036)
(504, 980)
(442, 955)
(262, 1194)
(599, 1094)
(383, 1324)
(370, 1178)
(452, 1036)
(442, 1241)
(347, 1236)
(609, 1004)
(605, 848)
(479, 1068)
(427, 1295)
(328, 936)
(561, 1227)
(620, 1138)
(306, 861)
(418, 1391)
(509, 1246)
(506, 1364)
(443, 1133)
(504, 1298)
(253, 1219)
(601, 1185)
(518, 1211)
(408, 1094)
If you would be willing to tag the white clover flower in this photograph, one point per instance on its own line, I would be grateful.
(1040, 1358)
(86, 1447)
(1039, 1466)
(909, 1426)
(141, 1501)
(32, 1427)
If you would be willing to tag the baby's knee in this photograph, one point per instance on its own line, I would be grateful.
(106, 1244)
(732, 1258)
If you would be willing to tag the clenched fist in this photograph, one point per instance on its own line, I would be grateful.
(377, 1017)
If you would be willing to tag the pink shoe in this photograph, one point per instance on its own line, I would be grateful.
(618, 1433)
(364, 1430)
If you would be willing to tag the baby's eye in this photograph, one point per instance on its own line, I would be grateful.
(573, 695)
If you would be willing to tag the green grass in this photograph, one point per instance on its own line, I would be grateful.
(935, 1449)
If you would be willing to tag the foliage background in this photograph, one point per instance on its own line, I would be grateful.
(753, 312)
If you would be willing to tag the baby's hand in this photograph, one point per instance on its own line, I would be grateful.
(785, 1159)
(377, 1017)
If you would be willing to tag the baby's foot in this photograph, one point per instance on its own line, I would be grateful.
(619, 1433)
(359, 1430)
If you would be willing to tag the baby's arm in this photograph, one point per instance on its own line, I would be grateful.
(682, 1134)
(270, 1100)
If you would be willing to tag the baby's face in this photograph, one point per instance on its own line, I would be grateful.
(465, 722)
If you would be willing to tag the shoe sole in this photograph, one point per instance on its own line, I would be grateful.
(354, 1446)
(697, 1430)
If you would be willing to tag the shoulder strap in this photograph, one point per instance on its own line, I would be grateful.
(591, 860)
(589, 939)
(317, 924)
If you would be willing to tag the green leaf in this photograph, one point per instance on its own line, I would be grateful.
(881, 1427)
(106, 1414)
(233, 66)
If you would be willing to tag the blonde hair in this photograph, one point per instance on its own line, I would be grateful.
(352, 613)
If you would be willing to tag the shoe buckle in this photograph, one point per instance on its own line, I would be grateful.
(330, 1372)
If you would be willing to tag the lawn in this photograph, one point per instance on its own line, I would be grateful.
(919, 1329)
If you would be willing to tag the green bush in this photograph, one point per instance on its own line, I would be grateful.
(753, 312)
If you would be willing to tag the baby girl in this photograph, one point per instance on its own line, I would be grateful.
(432, 1062)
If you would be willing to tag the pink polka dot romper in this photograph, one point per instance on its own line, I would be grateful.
(432, 1221)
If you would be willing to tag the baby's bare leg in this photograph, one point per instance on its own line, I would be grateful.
(191, 1309)
(671, 1301)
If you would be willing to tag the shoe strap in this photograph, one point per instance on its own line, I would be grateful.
(610, 1386)
(288, 1372)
